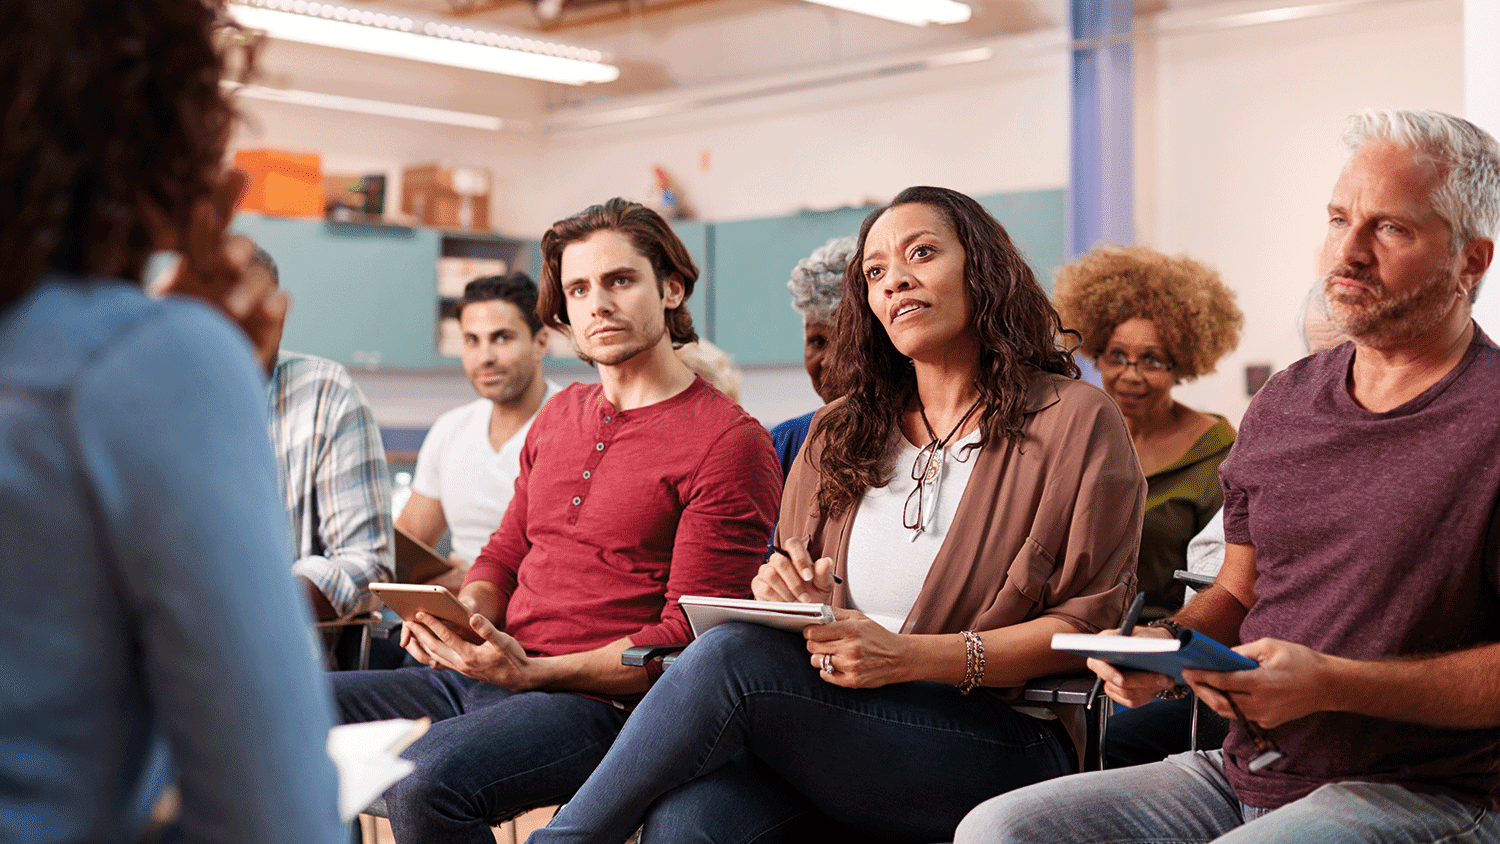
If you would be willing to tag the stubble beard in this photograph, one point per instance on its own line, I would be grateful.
(1375, 319)
(509, 389)
(614, 355)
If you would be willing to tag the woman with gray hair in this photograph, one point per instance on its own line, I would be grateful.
(817, 285)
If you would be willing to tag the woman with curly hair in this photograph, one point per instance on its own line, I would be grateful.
(1150, 322)
(972, 497)
(147, 603)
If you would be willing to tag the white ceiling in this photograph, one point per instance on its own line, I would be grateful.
(665, 46)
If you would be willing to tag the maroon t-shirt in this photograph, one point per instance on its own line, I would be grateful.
(1376, 535)
(617, 514)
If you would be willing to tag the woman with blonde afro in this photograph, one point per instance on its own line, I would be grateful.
(1151, 321)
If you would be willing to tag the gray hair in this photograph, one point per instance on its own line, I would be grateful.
(817, 282)
(1469, 196)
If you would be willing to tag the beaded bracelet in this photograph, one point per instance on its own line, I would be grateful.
(973, 661)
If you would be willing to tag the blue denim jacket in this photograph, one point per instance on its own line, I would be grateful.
(144, 585)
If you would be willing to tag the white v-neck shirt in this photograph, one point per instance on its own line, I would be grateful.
(888, 562)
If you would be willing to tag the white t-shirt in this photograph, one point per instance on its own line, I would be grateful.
(458, 466)
(888, 562)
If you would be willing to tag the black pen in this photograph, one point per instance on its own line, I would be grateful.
(783, 552)
(1126, 629)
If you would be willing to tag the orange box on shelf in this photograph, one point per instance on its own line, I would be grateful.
(282, 184)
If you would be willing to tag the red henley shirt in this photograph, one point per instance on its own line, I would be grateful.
(617, 514)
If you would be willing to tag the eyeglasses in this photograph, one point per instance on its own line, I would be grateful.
(1146, 365)
(920, 504)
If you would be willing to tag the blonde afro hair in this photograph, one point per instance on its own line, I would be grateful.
(1194, 311)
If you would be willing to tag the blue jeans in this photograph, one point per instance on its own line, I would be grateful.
(489, 751)
(1156, 730)
(1187, 799)
(741, 740)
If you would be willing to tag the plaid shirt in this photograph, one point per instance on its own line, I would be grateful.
(334, 479)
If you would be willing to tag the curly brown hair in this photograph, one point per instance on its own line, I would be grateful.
(1017, 330)
(1194, 311)
(112, 129)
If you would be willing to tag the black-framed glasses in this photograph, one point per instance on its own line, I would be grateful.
(1146, 365)
(920, 504)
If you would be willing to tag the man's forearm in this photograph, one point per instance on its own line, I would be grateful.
(485, 598)
(598, 671)
(1459, 690)
(1216, 613)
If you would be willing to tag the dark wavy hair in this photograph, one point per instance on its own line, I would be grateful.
(112, 129)
(1017, 330)
(647, 232)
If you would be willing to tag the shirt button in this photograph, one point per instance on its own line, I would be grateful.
(599, 447)
(577, 501)
(586, 474)
(608, 418)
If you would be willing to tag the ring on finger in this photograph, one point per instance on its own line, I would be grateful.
(828, 664)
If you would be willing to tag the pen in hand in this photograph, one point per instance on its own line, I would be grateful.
(783, 552)
(1126, 628)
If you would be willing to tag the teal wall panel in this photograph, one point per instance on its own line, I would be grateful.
(355, 289)
(753, 316)
(1035, 222)
(752, 259)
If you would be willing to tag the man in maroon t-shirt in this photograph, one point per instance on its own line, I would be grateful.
(633, 492)
(1362, 564)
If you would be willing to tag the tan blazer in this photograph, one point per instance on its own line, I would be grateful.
(1049, 527)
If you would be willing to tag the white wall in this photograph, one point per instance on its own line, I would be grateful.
(1482, 105)
(1237, 147)
(996, 126)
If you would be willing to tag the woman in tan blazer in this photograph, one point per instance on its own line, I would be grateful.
(966, 500)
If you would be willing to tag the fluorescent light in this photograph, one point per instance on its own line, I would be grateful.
(914, 12)
(377, 107)
(401, 36)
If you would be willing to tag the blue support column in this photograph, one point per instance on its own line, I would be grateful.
(1100, 189)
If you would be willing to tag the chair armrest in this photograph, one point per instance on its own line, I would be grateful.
(642, 654)
(1059, 688)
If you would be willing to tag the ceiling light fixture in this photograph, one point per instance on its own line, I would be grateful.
(381, 108)
(913, 12)
(408, 37)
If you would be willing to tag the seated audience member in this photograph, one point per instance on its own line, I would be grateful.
(1205, 553)
(468, 463)
(974, 498)
(1155, 730)
(713, 365)
(1150, 322)
(146, 593)
(632, 492)
(334, 481)
(817, 283)
(1363, 550)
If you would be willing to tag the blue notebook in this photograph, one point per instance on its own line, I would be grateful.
(1164, 656)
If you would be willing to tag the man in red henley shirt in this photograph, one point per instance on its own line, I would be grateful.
(1362, 556)
(633, 492)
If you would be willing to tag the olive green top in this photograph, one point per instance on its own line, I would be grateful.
(1180, 500)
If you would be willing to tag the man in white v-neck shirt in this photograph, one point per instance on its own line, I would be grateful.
(468, 463)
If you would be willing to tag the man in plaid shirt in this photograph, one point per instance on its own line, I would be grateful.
(334, 479)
